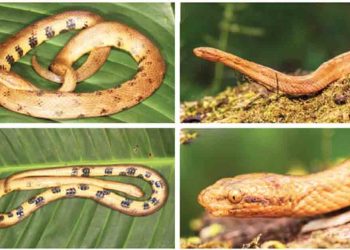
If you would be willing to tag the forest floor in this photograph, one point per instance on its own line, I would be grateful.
(250, 102)
(264, 233)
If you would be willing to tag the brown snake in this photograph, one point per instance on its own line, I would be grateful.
(324, 75)
(273, 195)
(79, 181)
(21, 96)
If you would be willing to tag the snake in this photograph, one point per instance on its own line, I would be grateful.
(327, 73)
(274, 195)
(97, 36)
(77, 181)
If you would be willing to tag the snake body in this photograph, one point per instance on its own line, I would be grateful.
(324, 75)
(76, 181)
(273, 195)
(96, 37)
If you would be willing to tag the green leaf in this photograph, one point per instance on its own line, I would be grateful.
(76, 222)
(155, 20)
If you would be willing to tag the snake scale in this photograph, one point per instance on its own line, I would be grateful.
(328, 72)
(76, 181)
(273, 195)
(97, 37)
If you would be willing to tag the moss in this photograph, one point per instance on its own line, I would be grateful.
(253, 103)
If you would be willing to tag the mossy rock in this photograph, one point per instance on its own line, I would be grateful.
(252, 103)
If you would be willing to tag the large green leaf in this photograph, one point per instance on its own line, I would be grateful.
(155, 20)
(79, 222)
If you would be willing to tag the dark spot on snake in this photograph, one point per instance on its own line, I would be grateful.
(2, 217)
(116, 99)
(98, 93)
(126, 203)
(154, 201)
(85, 25)
(19, 51)
(71, 191)
(143, 74)
(59, 113)
(148, 63)
(74, 171)
(10, 59)
(142, 59)
(55, 190)
(131, 83)
(100, 194)
(10, 214)
(122, 173)
(70, 24)
(103, 111)
(39, 93)
(86, 172)
(49, 32)
(148, 174)
(131, 171)
(148, 51)
(33, 41)
(84, 187)
(2, 67)
(146, 206)
(20, 212)
(158, 184)
(39, 201)
(81, 116)
(140, 176)
(109, 91)
(139, 98)
(6, 93)
(109, 171)
(150, 81)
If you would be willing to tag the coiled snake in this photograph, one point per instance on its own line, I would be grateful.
(327, 73)
(21, 96)
(76, 181)
(273, 195)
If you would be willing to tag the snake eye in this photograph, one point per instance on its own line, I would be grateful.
(235, 196)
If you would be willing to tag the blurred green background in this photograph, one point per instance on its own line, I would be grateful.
(219, 153)
(285, 36)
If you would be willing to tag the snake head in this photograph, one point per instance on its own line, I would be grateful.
(251, 195)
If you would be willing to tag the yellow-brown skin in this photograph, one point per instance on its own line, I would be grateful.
(273, 195)
(79, 179)
(65, 105)
(324, 75)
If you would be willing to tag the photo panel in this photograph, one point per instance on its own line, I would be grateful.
(264, 188)
(264, 63)
(87, 188)
(87, 62)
